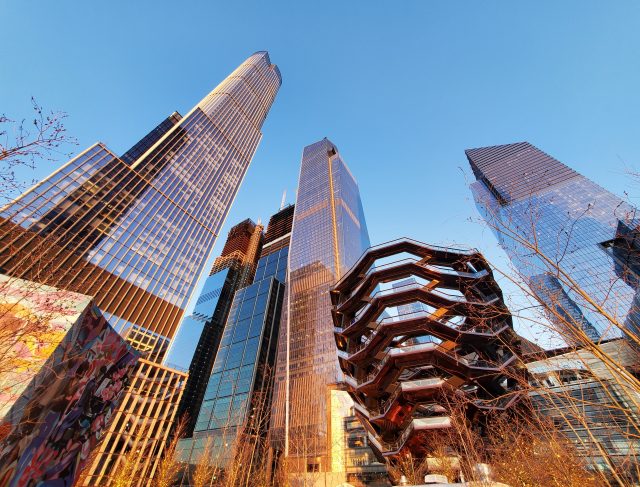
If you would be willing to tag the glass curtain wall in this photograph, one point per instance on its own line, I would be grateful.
(569, 224)
(329, 235)
(137, 235)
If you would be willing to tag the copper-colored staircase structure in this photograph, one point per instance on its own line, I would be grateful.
(401, 369)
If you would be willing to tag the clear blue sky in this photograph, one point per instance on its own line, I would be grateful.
(401, 87)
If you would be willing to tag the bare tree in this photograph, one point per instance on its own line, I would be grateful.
(169, 466)
(596, 404)
(23, 143)
(125, 471)
(205, 470)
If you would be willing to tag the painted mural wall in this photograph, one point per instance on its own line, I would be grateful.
(49, 431)
(34, 319)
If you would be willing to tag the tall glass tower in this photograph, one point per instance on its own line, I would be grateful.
(196, 342)
(329, 234)
(135, 233)
(567, 236)
(231, 418)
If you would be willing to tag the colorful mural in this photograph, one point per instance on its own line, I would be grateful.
(34, 319)
(48, 433)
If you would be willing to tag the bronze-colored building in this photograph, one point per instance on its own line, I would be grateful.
(278, 232)
(135, 233)
(329, 234)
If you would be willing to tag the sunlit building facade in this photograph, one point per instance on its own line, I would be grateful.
(135, 233)
(361, 464)
(329, 234)
(563, 234)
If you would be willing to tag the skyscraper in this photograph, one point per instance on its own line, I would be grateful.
(409, 308)
(196, 342)
(144, 144)
(136, 234)
(278, 233)
(564, 234)
(240, 373)
(329, 234)
(234, 415)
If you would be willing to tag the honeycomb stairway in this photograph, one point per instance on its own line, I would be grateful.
(404, 369)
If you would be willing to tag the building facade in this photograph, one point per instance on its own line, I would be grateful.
(240, 376)
(563, 234)
(196, 342)
(136, 234)
(409, 308)
(144, 144)
(361, 464)
(329, 234)
(278, 233)
(232, 420)
(593, 403)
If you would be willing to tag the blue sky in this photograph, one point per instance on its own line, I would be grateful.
(401, 87)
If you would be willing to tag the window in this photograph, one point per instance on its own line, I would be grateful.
(251, 351)
(356, 440)
(235, 355)
(256, 326)
(241, 330)
(247, 309)
(212, 387)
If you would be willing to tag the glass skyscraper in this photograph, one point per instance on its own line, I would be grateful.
(409, 308)
(564, 234)
(196, 342)
(240, 371)
(135, 233)
(238, 390)
(329, 235)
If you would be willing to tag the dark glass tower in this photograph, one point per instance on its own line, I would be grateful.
(150, 139)
(239, 388)
(564, 234)
(196, 342)
(136, 234)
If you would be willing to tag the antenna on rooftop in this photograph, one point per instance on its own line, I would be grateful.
(284, 197)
